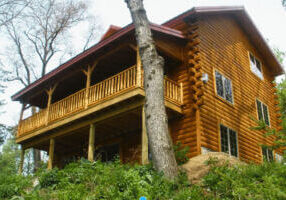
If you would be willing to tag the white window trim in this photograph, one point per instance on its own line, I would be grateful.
(223, 78)
(261, 78)
(268, 114)
(228, 140)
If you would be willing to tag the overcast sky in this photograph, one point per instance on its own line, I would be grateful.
(268, 15)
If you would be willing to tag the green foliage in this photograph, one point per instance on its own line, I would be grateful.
(11, 185)
(181, 153)
(114, 181)
(266, 181)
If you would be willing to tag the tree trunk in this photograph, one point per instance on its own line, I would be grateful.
(156, 118)
(36, 152)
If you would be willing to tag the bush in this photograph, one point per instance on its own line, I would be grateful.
(12, 184)
(266, 181)
(86, 180)
(181, 153)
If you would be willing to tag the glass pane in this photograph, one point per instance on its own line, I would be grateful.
(265, 112)
(264, 152)
(255, 66)
(228, 90)
(233, 143)
(224, 139)
(219, 84)
(259, 110)
(270, 155)
(258, 65)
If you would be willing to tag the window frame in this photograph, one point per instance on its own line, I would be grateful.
(256, 59)
(228, 140)
(268, 114)
(215, 86)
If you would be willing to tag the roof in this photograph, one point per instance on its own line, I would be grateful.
(246, 23)
(115, 33)
(104, 42)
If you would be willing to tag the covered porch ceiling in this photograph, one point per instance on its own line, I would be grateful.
(117, 51)
(106, 132)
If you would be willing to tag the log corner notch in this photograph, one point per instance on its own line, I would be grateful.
(195, 73)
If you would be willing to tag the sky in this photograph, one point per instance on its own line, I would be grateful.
(268, 15)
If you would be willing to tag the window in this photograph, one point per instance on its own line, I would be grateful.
(267, 154)
(255, 66)
(278, 158)
(262, 112)
(223, 87)
(228, 141)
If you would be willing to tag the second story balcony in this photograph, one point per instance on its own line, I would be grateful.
(121, 87)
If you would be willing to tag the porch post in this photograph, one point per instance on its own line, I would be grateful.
(88, 73)
(50, 94)
(21, 117)
(51, 153)
(91, 143)
(144, 155)
(139, 72)
(21, 160)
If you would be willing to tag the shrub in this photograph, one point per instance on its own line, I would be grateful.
(12, 184)
(265, 181)
(181, 153)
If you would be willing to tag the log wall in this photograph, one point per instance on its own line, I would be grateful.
(224, 46)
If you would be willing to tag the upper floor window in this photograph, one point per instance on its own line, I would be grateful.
(262, 112)
(267, 154)
(228, 141)
(223, 87)
(255, 66)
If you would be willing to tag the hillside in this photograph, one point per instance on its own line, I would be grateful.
(114, 181)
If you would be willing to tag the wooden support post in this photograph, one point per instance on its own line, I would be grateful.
(91, 143)
(181, 91)
(198, 131)
(88, 73)
(50, 95)
(51, 153)
(21, 117)
(139, 69)
(21, 164)
(144, 155)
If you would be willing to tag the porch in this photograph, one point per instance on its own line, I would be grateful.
(113, 92)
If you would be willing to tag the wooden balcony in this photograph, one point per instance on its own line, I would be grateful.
(119, 87)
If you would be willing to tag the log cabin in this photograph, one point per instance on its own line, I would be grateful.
(219, 72)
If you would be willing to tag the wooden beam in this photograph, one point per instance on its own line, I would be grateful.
(88, 73)
(198, 131)
(51, 153)
(144, 143)
(139, 69)
(50, 94)
(21, 117)
(91, 143)
(21, 164)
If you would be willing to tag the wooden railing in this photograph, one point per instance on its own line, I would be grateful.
(123, 81)
(113, 85)
(35, 121)
(66, 106)
(173, 91)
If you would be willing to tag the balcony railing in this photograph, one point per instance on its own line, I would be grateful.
(104, 90)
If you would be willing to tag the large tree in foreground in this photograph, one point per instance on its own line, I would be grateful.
(156, 118)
